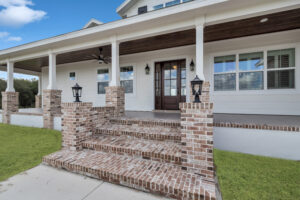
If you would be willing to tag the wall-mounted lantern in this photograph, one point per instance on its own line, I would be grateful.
(147, 69)
(77, 91)
(197, 89)
(192, 66)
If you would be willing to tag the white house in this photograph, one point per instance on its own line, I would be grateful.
(248, 50)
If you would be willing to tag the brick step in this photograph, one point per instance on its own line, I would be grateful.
(146, 175)
(168, 152)
(150, 133)
(146, 122)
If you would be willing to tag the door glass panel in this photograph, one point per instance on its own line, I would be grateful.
(167, 74)
(174, 73)
(173, 88)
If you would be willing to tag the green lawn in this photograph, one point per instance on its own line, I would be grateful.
(241, 176)
(23, 148)
(244, 176)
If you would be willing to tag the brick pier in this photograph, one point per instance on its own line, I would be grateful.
(51, 107)
(115, 97)
(10, 105)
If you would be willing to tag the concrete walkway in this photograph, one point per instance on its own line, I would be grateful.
(47, 183)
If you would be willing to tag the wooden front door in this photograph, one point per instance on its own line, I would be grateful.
(170, 84)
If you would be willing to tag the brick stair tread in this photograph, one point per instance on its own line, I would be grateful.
(147, 122)
(155, 132)
(154, 150)
(151, 176)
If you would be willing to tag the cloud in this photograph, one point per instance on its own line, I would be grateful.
(17, 13)
(14, 39)
(4, 34)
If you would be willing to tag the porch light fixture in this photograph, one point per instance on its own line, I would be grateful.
(77, 91)
(147, 69)
(192, 65)
(197, 88)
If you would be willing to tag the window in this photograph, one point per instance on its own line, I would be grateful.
(160, 6)
(186, 1)
(253, 73)
(172, 3)
(281, 69)
(103, 80)
(72, 76)
(142, 10)
(126, 78)
(225, 75)
(251, 76)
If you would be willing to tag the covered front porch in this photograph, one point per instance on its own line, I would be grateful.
(143, 64)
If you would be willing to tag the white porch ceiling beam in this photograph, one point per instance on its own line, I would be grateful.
(21, 71)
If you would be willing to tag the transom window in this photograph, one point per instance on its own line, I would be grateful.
(250, 73)
(126, 78)
(103, 80)
(172, 3)
(159, 6)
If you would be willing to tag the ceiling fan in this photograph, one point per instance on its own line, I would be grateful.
(101, 58)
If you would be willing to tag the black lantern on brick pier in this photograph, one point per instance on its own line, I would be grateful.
(197, 89)
(77, 91)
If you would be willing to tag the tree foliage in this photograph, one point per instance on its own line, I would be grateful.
(27, 90)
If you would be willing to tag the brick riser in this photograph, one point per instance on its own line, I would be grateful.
(147, 136)
(149, 176)
(146, 123)
(167, 153)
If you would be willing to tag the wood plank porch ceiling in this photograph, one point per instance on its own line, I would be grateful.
(282, 21)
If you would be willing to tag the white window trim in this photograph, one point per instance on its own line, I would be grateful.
(134, 77)
(265, 70)
(97, 81)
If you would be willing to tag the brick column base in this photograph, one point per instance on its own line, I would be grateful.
(197, 136)
(77, 124)
(115, 97)
(51, 107)
(38, 101)
(10, 104)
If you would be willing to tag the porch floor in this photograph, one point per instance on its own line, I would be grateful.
(269, 122)
(273, 120)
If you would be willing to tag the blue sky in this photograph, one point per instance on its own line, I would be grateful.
(23, 21)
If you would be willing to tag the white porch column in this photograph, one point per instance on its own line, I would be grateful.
(199, 51)
(52, 72)
(115, 64)
(10, 77)
(40, 85)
